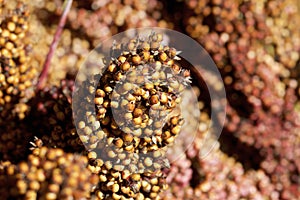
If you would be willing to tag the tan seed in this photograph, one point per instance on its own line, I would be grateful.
(108, 165)
(92, 155)
(122, 59)
(128, 137)
(118, 142)
(116, 196)
(125, 66)
(137, 112)
(175, 130)
(115, 188)
(136, 59)
(98, 100)
(112, 154)
(128, 116)
(148, 162)
(50, 196)
(137, 120)
(136, 177)
(119, 168)
(154, 99)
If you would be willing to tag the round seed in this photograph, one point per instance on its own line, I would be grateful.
(154, 99)
(122, 156)
(115, 188)
(155, 188)
(98, 100)
(99, 162)
(100, 93)
(132, 168)
(148, 162)
(137, 132)
(140, 196)
(129, 148)
(87, 130)
(108, 89)
(146, 186)
(175, 130)
(125, 66)
(111, 154)
(128, 137)
(122, 59)
(174, 120)
(153, 195)
(92, 155)
(163, 98)
(137, 120)
(137, 112)
(22, 186)
(114, 104)
(131, 46)
(125, 190)
(118, 142)
(116, 196)
(170, 140)
(50, 196)
(136, 59)
(108, 165)
(128, 116)
(128, 86)
(156, 165)
(102, 178)
(136, 177)
(145, 55)
(126, 162)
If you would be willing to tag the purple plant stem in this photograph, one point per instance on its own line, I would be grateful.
(44, 74)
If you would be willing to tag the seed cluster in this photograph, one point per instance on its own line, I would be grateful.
(14, 140)
(16, 75)
(129, 126)
(256, 48)
(88, 23)
(116, 184)
(216, 176)
(103, 19)
(47, 174)
(129, 109)
(223, 178)
(53, 105)
(255, 45)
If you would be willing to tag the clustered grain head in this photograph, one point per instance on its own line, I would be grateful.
(16, 75)
(53, 106)
(256, 48)
(115, 184)
(112, 17)
(48, 174)
(134, 94)
(129, 118)
(14, 139)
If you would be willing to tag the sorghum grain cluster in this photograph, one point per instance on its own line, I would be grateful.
(16, 73)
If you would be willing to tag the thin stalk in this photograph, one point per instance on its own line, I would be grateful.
(46, 67)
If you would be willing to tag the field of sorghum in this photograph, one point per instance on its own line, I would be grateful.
(47, 154)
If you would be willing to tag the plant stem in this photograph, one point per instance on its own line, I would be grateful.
(44, 74)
